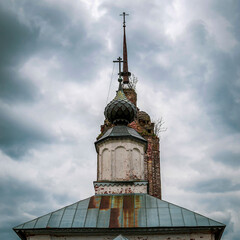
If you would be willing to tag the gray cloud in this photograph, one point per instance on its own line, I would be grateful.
(14, 88)
(230, 11)
(223, 91)
(217, 185)
(16, 43)
(228, 158)
(19, 135)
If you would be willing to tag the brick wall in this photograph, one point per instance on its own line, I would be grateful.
(145, 127)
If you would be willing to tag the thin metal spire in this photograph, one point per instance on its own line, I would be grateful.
(125, 72)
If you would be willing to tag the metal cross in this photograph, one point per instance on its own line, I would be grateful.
(124, 14)
(119, 60)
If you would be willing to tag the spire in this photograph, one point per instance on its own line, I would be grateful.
(125, 72)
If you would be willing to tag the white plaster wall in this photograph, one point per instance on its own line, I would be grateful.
(193, 236)
(137, 167)
(106, 154)
(120, 160)
(122, 163)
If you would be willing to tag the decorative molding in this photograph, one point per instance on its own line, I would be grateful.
(124, 183)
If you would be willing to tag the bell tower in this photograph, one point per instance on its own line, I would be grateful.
(120, 150)
(141, 123)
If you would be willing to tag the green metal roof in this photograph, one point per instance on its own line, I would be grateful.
(121, 131)
(120, 211)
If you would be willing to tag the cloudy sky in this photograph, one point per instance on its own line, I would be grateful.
(55, 72)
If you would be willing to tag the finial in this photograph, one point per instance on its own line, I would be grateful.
(124, 22)
(119, 60)
(125, 72)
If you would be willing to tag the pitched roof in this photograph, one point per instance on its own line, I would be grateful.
(121, 132)
(120, 211)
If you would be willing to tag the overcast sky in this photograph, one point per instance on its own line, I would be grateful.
(55, 71)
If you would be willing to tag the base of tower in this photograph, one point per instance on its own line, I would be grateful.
(120, 187)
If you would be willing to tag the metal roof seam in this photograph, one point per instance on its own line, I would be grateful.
(208, 222)
(75, 213)
(98, 212)
(158, 214)
(62, 217)
(35, 222)
(145, 201)
(170, 215)
(25, 223)
(49, 219)
(86, 215)
(122, 223)
(195, 218)
(183, 217)
(134, 217)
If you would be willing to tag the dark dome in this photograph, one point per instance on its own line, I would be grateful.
(143, 116)
(120, 110)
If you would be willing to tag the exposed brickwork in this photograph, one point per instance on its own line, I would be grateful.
(145, 127)
(131, 95)
(153, 164)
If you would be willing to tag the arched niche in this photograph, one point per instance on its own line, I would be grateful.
(136, 169)
(121, 160)
(122, 164)
(105, 163)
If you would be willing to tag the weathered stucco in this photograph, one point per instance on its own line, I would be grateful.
(120, 160)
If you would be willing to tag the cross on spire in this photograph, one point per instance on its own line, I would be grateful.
(119, 60)
(124, 14)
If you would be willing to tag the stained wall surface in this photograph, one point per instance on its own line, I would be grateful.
(121, 189)
(121, 160)
(193, 236)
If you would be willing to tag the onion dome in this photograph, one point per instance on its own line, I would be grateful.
(120, 110)
(144, 116)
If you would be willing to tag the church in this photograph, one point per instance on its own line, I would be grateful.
(128, 202)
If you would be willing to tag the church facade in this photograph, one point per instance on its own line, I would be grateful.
(127, 203)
